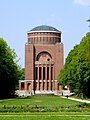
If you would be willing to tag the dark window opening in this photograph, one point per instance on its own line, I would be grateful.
(51, 73)
(43, 73)
(47, 73)
(22, 85)
(40, 73)
(48, 59)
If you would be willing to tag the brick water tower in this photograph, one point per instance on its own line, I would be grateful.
(43, 60)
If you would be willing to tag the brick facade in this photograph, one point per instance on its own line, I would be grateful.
(43, 61)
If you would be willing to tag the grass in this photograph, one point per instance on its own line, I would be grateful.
(53, 101)
(45, 118)
(43, 104)
(78, 97)
(38, 104)
(43, 108)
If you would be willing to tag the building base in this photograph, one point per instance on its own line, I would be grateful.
(25, 93)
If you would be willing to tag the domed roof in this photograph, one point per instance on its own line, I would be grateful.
(44, 28)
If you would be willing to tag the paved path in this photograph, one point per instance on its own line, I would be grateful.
(79, 100)
(6, 99)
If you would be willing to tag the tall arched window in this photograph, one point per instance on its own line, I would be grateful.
(43, 56)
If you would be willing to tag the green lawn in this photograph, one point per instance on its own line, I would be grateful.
(38, 104)
(43, 104)
(53, 101)
(45, 118)
(43, 108)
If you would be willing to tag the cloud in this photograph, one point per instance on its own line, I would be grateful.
(83, 2)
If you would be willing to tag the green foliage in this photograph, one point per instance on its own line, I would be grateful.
(20, 74)
(76, 71)
(88, 21)
(9, 70)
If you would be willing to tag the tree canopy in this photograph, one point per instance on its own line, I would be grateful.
(76, 71)
(88, 21)
(9, 70)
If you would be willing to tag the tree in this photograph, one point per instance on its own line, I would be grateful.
(76, 71)
(20, 73)
(88, 21)
(9, 70)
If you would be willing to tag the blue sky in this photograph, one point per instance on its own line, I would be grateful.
(19, 16)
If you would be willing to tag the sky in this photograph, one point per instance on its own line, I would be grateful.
(17, 17)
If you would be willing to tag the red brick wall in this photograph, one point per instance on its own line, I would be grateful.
(32, 50)
(56, 51)
(29, 62)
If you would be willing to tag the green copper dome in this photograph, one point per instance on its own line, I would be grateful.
(44, 28)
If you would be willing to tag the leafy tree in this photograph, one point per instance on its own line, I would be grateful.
(76, 71)
(88, 21)
(20, 73)
(9, 70)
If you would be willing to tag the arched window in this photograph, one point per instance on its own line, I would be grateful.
(43, 56)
